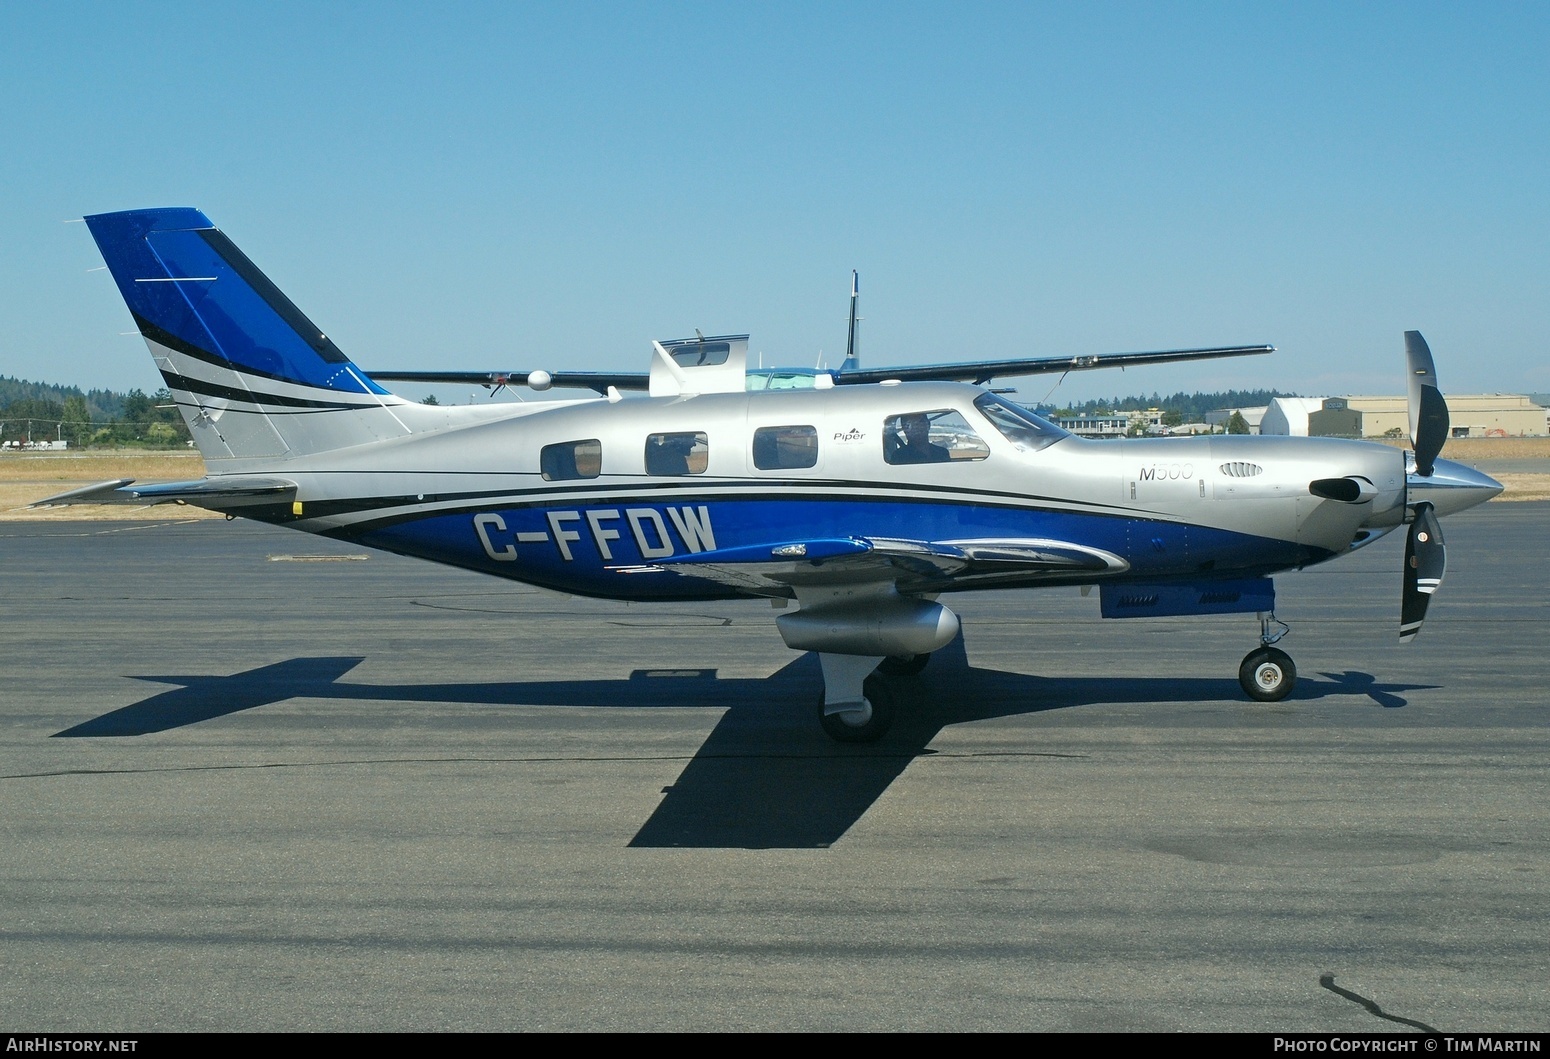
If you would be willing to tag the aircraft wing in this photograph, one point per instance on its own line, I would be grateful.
(975, 371)
(982, 371)
(582, 380)
(218, 494)
(913, 566)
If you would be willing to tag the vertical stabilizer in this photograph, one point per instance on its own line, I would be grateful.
(852, 336)
(252, 375)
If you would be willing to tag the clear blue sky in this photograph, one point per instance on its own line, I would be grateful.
(471, 186)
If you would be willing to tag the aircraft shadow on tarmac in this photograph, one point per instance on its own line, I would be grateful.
(766, 777)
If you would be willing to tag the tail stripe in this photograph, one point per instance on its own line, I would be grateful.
(232, 393)
(171, 341)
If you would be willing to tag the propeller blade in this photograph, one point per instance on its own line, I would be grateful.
(1425, 560)
(1428, 411)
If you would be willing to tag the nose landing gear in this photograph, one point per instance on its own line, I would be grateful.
(1267, 674)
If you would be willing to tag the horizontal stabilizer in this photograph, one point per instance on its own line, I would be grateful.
(215, 493)
(101, 493)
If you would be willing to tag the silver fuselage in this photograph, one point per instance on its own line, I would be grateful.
(465, 485)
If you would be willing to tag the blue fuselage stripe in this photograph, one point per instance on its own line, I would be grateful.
(608, 549)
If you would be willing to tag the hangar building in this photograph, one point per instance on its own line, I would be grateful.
(1493, 415)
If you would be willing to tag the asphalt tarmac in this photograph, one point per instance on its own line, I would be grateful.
(251, 782)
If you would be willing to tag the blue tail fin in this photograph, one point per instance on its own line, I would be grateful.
(253, 376)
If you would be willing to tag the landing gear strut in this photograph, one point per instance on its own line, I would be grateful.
(1267, 674)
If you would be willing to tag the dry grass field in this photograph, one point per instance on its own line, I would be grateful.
(1468, 450)
(1524, 486)
(26, 478)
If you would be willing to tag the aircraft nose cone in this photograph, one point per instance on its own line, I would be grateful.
(1452, 487)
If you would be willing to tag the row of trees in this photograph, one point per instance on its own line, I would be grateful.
(147, 421)
(1188, 407)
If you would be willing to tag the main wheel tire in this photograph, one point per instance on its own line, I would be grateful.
(1267, 675)
(868, 726)
(903, 665)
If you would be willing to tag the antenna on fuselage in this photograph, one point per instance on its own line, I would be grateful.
(852, 351)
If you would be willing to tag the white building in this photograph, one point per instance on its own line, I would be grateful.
(1289, 416)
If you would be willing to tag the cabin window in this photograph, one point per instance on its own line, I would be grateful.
(683, 453)
(571, 460)
(938, 436)
(785, 448)
(699, 354)
(1018, 425)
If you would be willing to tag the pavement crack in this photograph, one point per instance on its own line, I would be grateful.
(1327, 980)
(904, 755)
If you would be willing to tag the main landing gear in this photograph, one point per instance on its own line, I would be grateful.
(869, 640)
(871, 720)
(1267, 674)
(884, 691)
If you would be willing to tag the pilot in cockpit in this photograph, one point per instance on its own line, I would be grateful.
(908, 440)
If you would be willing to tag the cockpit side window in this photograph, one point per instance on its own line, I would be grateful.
(1018, 425)
(700, 354)
(938, 436)
(682, 453)
(570, 460)
(785, 448)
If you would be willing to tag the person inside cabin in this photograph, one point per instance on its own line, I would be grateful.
(909, 441)
(669, 453)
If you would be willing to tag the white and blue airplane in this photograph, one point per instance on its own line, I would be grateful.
(861, 495)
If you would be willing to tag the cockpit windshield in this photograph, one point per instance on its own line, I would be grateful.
(1018, 425)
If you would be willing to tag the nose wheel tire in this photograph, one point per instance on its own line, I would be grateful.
(1267, 675)
(866, 725)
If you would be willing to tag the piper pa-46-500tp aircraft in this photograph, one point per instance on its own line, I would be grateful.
(863, 495)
